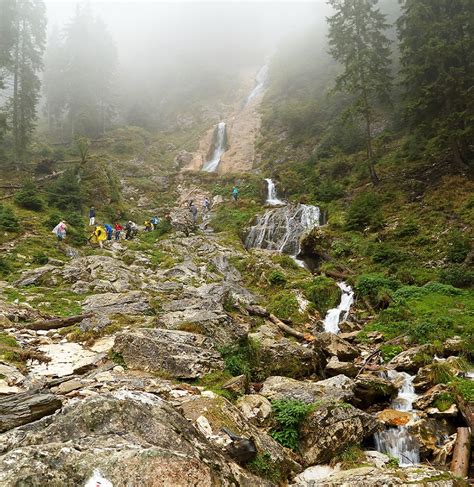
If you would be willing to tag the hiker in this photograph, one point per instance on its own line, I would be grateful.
(194, 212)
(98, 236)
(118, 230)
(60, 231)
(109, 230)
(154, 222)
(131, 230)
(148, 226)
(235, 193)
(206, 206)
(92, 216)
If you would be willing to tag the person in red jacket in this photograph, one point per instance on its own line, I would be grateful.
(118, 229)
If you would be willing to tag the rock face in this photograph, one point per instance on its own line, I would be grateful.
(255, 408)
(330, 428)
(179, 354)
(339, 388)
(133, 302)
(125, 437)
(280, 356)
(22, 408)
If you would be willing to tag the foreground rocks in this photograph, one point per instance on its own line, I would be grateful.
(128, 438)
(176, 354)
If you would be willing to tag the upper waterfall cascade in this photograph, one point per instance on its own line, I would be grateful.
(219, 148)
(260, 82)
(399, 442)
(272, 198)
(281, 228)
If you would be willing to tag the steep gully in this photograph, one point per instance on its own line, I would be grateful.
(281, 229)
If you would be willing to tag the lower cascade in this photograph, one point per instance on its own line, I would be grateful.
(398, 442)
(220, 146)
(281, 228)
(338, 315)
(272, 198)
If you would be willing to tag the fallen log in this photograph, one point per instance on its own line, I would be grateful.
(57, 322)
(26, 407)
(290, 331)
(336, 274)
(257, 311)
(461, 455)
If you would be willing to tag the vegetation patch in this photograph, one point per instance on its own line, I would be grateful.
(263, 466)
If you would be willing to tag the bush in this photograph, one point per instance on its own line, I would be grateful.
(8, 219)
(407, 229)
(324, 293)
(375, 287)
(65, 193)
(28, 197)
(288, 416)
(386, 254)
(5, 267)
(459, 247)
(364, 211)
(276, 278)
(457, 275)
(390, 351)
(40, 258)
(241, 358)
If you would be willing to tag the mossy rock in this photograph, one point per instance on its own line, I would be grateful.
(324, 293)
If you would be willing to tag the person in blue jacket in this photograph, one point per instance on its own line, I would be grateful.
(110, 231)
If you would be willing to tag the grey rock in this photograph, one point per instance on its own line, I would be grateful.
(336, 367)
(133, 302)
(255, 408)
(332, 345)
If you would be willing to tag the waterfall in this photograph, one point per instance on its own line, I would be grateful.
(281, 228)
(399, 442)
(220, 146)
(338, 315)
(260, 81)
(272, 194)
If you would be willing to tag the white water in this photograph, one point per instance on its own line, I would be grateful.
(272, 198)
(219, 149)
(338, 315)
(260, 81)
(281, 228)
(398, 442)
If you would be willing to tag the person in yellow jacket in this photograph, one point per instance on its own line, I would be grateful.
(98, 236)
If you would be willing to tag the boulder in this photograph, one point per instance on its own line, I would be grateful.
(394, 417)
(330, 428)
(25, 407)
(38, 276)
(332, 345)
(211, 414)
(339, 388)
(431, 434)
(130, 303)
(177, 354)
(411, 360)
(236, 385)
(371, 389)
(255, 408)
(426, 375)
(279, 355)
(123, 438)
(430, 396)
(336, 367)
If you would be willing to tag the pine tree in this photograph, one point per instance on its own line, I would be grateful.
(437, 45)
(357, 41)
(27, 52)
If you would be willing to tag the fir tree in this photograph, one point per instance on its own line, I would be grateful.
(437, 45)
(357, 41)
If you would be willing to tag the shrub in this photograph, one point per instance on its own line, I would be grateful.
(390, 351)
(288, 416)
(5, 267)
(276, 278)
(40, 258)
(459, 247)
(457, 275)
(28, 197)
(8, 219)
(444, 401)
(386, 254)
(324, 293)
(407, 229)
(241, 358)
(364, 211)
(65, 193)
(374, 287)
(284, 305)
(263, 466)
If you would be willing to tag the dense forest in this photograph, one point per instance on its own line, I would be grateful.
(236, 243)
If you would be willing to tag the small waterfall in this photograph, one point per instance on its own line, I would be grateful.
(260, 81)
(398, 441)
(220, 146)
(272, 194)
(281, 228)
(338, 315)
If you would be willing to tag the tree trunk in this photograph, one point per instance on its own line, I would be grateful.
(370, 153)
(57, 322)
(457, 156)
(461, 455)
(16, 73)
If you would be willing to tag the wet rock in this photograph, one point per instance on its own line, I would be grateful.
(335, 367)
(125, 436)
(211, 414)
(279, 355)
(25, 407)
(431, 434)
(411, 360)
(133, 302)
(178, 354)
(332, 345)
(394, 417)
(330, 428)
(371, 389)
(339, 388)
(255, 408)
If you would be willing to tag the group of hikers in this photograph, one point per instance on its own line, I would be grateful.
(116, 232)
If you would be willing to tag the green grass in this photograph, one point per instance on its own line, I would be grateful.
(263, 466)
